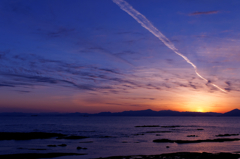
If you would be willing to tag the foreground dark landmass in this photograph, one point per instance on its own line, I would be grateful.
(195, 141)
(178, 155)
(35, 135)
(37, 155)
(181, 155)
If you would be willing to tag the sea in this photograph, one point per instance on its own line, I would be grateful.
(120, 136)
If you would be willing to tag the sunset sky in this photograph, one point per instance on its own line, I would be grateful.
(90, 56)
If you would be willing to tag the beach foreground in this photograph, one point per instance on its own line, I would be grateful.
(178, 155)
(181, 155)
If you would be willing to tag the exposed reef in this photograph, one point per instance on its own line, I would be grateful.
(37, 155)
(195, 141)
(72, 137)
(35, 135)
(143, 126)
(192, 136)
(223, 135)
(27, 136)
(158, 132)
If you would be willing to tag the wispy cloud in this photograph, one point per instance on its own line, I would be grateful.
(140, 98)
(62, 31)
(32, 70)
(207, 12)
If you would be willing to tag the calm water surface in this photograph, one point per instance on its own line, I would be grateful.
(112, 136)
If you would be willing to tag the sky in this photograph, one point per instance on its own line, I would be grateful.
(91, 56)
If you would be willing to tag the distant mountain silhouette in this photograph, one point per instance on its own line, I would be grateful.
(148, 112)
(235, 112)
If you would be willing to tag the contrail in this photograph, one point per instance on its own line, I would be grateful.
(149, 26)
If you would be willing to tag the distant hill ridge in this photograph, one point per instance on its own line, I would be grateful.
(148, 112)
(235, 112)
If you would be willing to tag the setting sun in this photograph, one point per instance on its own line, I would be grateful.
(200, 110)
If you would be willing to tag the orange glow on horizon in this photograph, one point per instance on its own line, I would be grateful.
(202, 102)
(201, 110)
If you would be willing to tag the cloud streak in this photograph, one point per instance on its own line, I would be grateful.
(149, 26)
(201, 13)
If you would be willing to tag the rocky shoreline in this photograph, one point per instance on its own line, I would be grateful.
(177, 155)
(180, 155)
(58, 136)
(37, 155)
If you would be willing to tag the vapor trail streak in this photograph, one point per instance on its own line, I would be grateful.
(149, 26)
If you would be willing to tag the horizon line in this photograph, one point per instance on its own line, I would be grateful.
(116, 112)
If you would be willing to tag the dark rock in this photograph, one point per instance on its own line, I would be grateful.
(106, 137)
(158, 134)
(223, 135)
(86, 142)
(27, 136)
(167, 147)
(138, 134)
(192, 136)
(79, 148)
(37, 155)
(52, 145)
(158, 131)
(195, 141)
(20, 148)
(173, 126)
(72, 137)
(200, 129)
(143, 126)
(36, 149)
(163, 140)
(62, 145)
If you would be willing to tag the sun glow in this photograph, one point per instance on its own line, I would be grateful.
(202, 102)
(200, 110)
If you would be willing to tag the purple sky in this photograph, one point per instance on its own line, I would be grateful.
(91, 56)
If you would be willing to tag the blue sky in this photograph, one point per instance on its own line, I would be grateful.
(91, 56)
